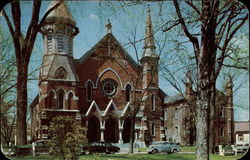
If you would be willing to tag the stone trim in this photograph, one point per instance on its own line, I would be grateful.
(105, 70)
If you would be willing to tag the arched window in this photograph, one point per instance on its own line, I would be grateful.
(153, 102)
(51, 100)
(60, 73)
(222, 112)
(153, 129)
(165, 114)
(60, 99)
(176, 132)
(70, 100)
(128, 93)
(89, 91)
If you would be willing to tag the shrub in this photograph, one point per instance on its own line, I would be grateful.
(67, 136)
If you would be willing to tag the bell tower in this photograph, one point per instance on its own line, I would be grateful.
(151, 102)
(149, 59)
(58, 32)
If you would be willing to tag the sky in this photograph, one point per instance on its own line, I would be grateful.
(91, 17)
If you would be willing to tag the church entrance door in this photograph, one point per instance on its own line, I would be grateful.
(111, 130)
(126, 130)
(93, 133)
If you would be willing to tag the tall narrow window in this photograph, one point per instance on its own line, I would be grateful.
(61, 99)
(153, 102)
(222, 132)
(51, 100)
(89, 91)
(165, 114)
(176, 131)
(166, 132)
(153, 129)
(70, 100)
(222, 112)
(128, 93)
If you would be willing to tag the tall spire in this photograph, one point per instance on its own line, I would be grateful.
(149, 44)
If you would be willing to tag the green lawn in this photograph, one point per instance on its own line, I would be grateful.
(187, 148)
(130, 157)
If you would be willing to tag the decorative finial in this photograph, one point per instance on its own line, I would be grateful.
(109, 27)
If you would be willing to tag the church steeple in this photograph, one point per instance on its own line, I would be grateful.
(149, 44)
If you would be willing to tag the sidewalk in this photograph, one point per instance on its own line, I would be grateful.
(126, 150)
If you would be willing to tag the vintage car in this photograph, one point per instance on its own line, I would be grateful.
(169, 147)
(101, 147)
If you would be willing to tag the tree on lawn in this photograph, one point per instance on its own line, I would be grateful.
(23, 45)
(67, 135)
(216, 22)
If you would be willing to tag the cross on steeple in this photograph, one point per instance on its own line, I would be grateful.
(108, 27)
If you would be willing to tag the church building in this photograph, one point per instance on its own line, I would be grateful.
(106, 88)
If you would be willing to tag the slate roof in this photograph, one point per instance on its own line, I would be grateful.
(174, 98)
(60, 13)
(243, 126)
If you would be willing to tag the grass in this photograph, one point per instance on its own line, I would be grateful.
(130, 157)
(187, 148)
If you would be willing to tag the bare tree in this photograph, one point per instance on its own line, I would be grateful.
(23, 45)
(218, 22)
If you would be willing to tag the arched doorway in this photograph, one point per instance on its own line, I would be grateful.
(111, 130)
(93, 133)
(126, 130)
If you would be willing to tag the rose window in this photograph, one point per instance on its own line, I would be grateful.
(109, 87)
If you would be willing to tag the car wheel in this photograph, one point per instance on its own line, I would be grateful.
(154, 151)
(107, 151)
(175, 151)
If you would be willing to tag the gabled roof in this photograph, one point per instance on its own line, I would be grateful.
(111, 104)
(125, 110)
(92, 106)
(103, 40)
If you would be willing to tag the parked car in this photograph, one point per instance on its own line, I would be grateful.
(42, 146)
(101, 147)
(242, 148)
(169, 147)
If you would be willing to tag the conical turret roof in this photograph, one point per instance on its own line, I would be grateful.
(61, 13)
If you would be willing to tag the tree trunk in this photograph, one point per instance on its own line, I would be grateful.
(21, 130)
(132, 137)
(202, 126)
(212, 118)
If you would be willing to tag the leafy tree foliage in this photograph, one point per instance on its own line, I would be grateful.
(67, 135)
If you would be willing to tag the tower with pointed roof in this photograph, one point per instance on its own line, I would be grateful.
(150, 58)
(58, 77)
(151, 106)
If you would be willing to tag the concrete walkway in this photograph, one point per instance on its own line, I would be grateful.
(126, 150)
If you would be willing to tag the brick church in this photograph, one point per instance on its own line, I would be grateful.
(105, 85)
